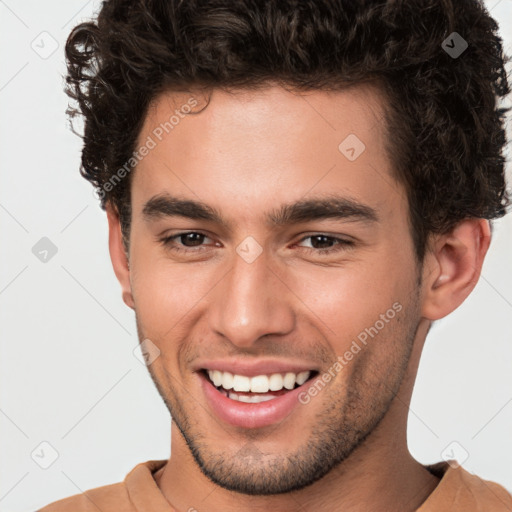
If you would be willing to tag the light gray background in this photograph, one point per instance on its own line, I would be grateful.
(68, 373)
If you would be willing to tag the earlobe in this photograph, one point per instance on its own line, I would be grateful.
(453, 266)
(118, 256)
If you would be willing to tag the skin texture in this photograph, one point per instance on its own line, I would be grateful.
(246, 154)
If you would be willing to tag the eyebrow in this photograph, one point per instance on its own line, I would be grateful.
(328, 207)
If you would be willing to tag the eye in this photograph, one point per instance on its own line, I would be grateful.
(324, 244)
(193, 241)
(184, 242)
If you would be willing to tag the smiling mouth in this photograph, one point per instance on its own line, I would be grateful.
(259, 388)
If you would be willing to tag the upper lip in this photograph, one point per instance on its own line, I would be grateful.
(253, 368)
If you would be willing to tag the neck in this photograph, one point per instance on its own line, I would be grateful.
(379, 475)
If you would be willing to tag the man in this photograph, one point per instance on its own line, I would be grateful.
(295, 192)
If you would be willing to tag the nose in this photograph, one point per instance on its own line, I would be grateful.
(251, 301)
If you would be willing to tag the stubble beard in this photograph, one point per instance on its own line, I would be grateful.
(348, 418)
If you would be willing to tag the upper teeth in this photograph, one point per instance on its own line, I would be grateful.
(259, 383)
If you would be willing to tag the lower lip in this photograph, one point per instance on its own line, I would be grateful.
(241, 414)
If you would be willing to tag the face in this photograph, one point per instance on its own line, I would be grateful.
(272, 255)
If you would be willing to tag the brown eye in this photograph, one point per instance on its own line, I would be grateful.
(191, 239)
(186, 242)
(324, 244)
(322, 241)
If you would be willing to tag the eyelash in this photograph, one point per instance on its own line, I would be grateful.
(340, 243)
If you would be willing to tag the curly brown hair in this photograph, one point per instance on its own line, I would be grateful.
(443, 112)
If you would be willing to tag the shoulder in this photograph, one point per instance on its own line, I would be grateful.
(459, 489)
(136, 491)
(108, 497)
(491, 494)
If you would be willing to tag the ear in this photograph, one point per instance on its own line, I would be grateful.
(452, 267)
(118, 256)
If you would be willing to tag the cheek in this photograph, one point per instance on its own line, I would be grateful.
(343, 302)
(167, 295)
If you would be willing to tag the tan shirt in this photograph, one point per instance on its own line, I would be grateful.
(457, 490)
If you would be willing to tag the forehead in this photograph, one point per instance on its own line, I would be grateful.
(231, 115)
(250, 150)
